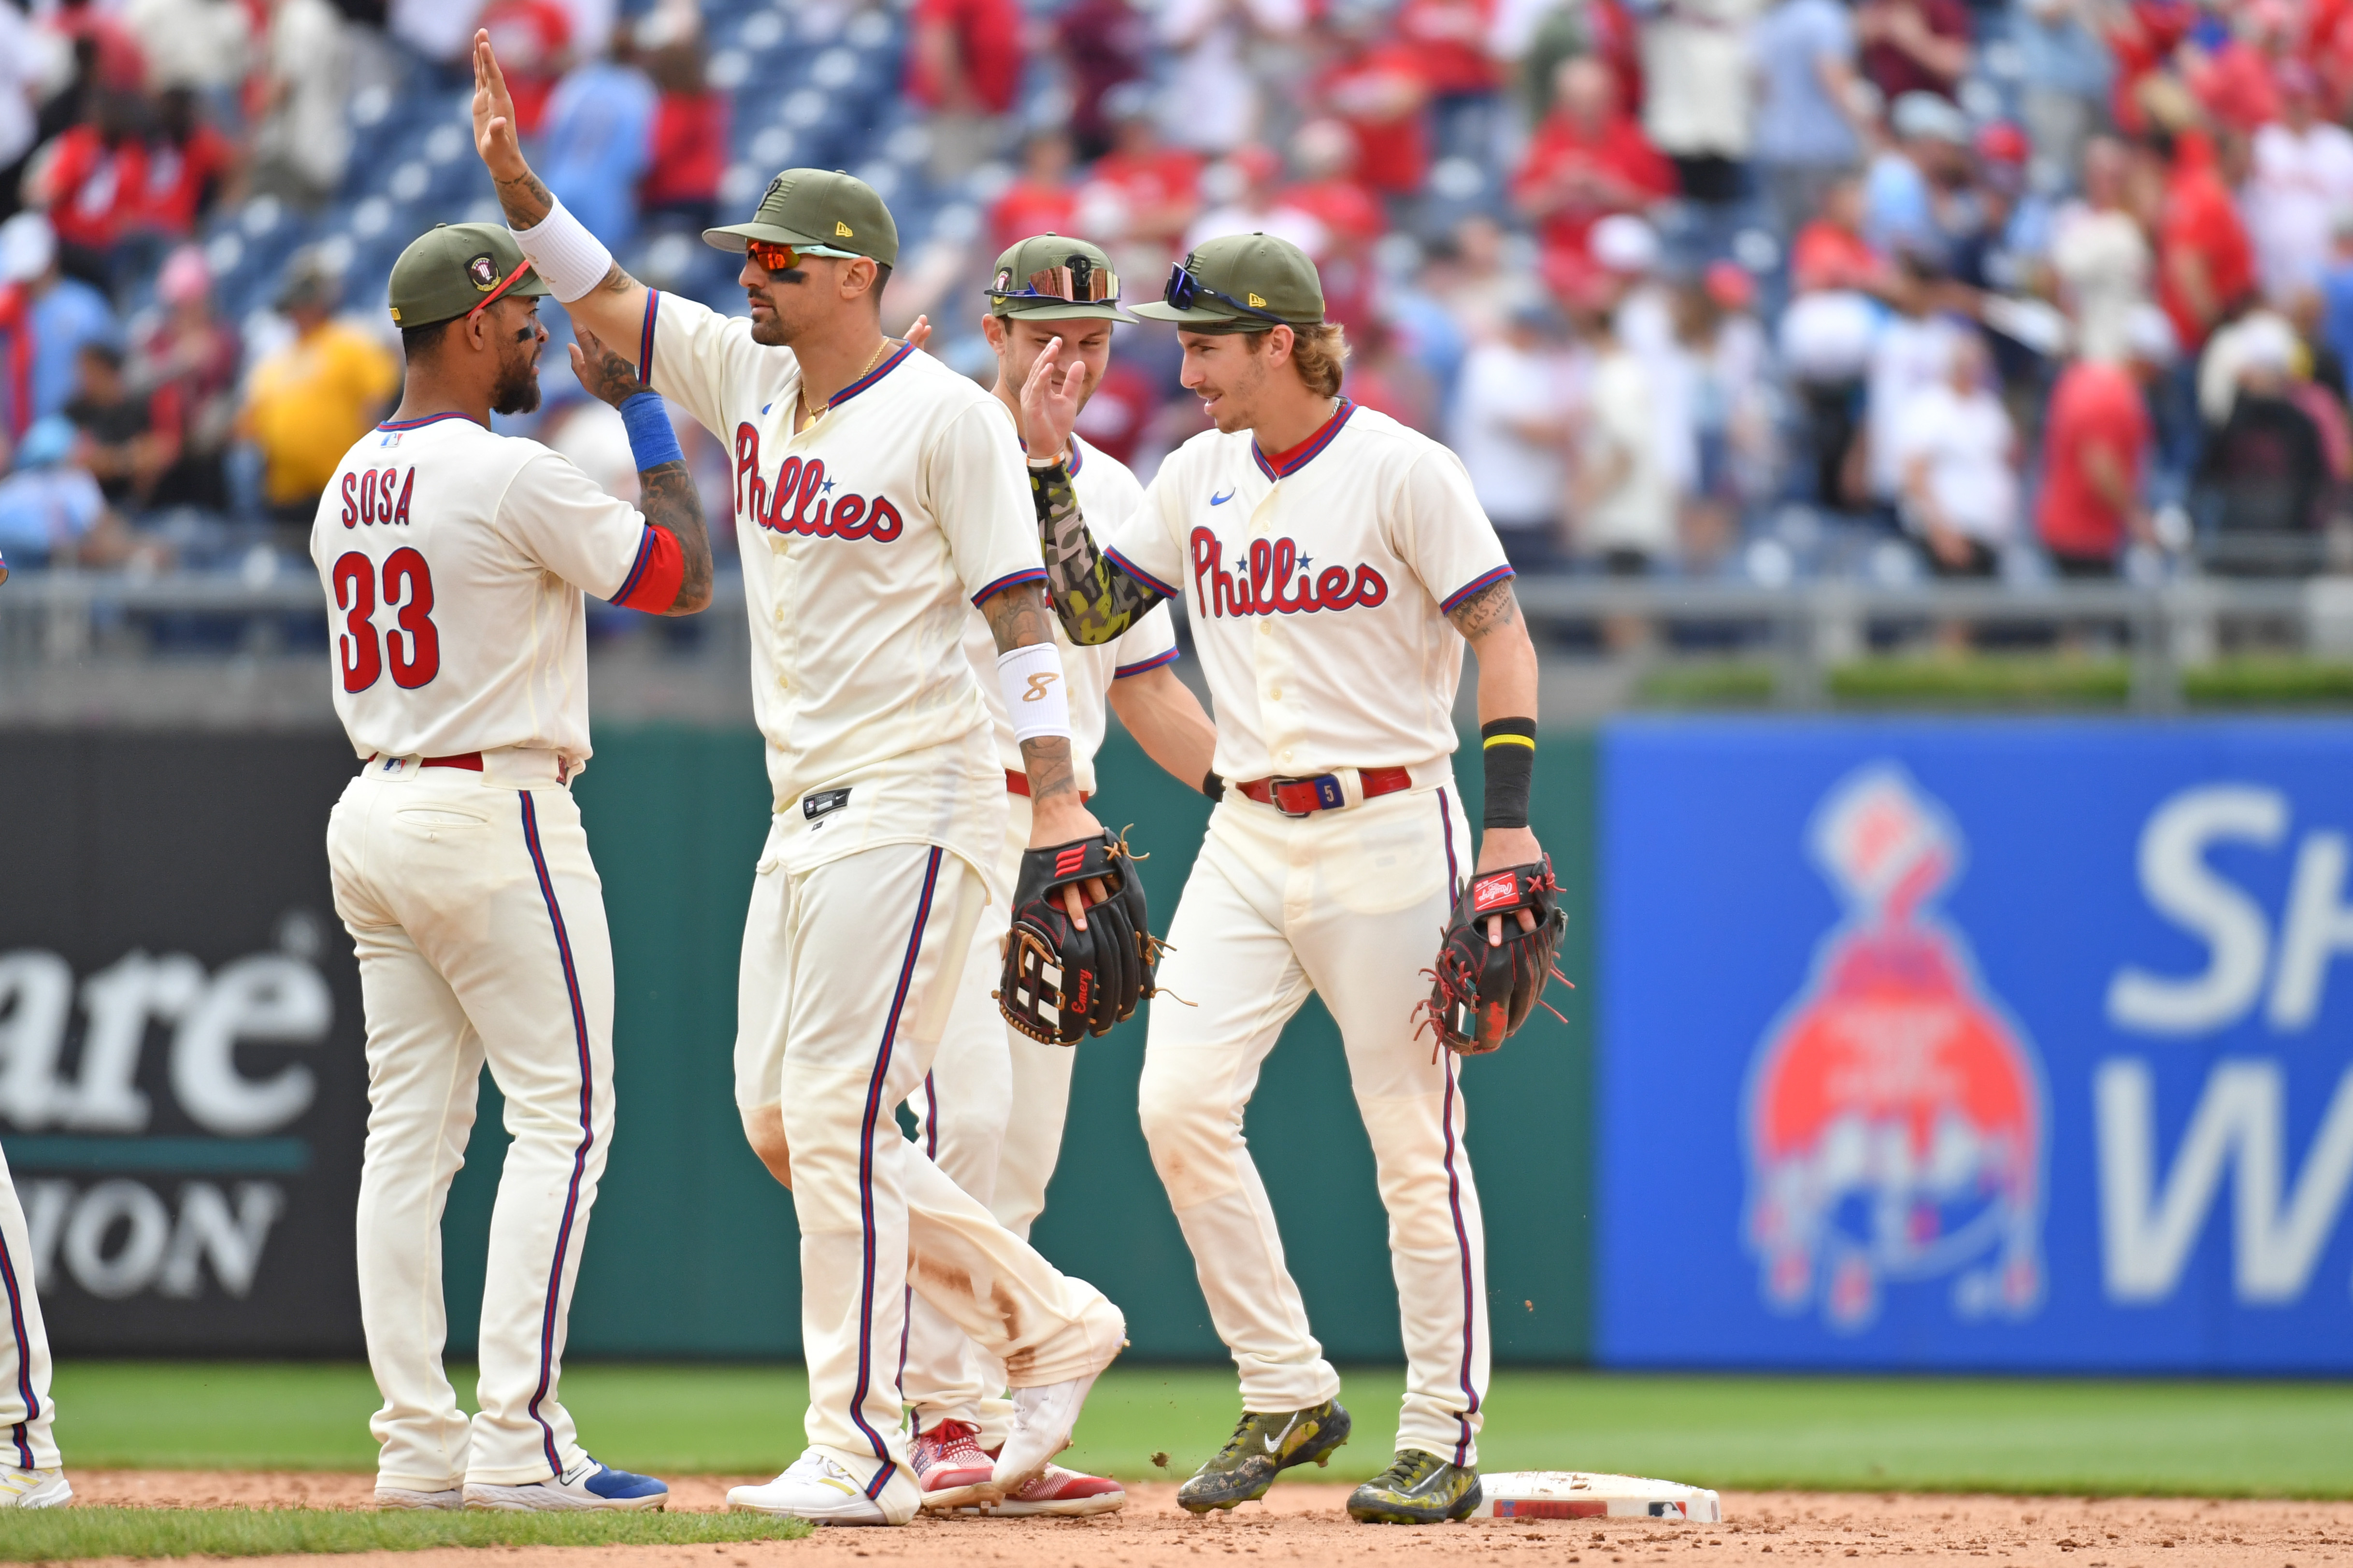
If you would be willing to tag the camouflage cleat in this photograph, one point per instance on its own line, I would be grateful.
(1261, 1446)
(1419, 1489)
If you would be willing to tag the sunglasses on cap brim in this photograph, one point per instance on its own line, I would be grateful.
(495, 295)
(774, 257)
(1185, 292)
(1079, 281)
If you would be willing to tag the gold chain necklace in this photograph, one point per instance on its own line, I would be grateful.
(817, 412)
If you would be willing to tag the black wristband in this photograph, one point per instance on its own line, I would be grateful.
(1508, 746)
(1212, 785)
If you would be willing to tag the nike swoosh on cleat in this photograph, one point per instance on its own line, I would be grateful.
(1274, 1442)
(1220, 500)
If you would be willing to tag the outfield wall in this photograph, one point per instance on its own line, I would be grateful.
(1956, 1045)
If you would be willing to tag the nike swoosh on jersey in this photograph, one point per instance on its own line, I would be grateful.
(1220, 500)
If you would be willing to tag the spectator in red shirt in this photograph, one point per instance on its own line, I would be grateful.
(93, 181)
(1042, 198)
(2096, 435)
(2205, 264)
(1830, 251)
(190, 167)
(1449, 37)
(1103, 43)
(1587, 160)
(1914, 46)
(963, 63)
(689, 155)
(1145, 191)
(2142, 37)
(534, 40)
(1376, 88)
(1349, 215)
(189, 358)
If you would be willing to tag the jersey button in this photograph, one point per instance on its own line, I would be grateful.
(1274, 693)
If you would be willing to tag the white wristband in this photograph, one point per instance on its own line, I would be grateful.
(1035, 691)
(567, 258)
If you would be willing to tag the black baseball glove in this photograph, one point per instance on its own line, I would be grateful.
(1060, 983)
(1479, 993)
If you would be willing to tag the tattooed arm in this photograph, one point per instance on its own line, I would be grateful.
(615, 309)
(1017, 618)
(1094, 598)
(1489, 622)
(665, 493)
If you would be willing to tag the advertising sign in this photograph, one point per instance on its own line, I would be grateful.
(2002, 1046)
(182, 1089)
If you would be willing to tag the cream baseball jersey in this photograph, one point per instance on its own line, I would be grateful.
(454, 560)
(1108, 495)
(1318, 581)
(866, 539)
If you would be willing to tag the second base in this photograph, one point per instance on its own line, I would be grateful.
(1578, 1494)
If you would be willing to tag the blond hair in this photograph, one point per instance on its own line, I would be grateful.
(1319, 353)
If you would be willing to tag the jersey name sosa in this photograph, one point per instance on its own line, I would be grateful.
(369, 496)
(802, 499)
(1261, 582)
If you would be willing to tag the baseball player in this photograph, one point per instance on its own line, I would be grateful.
(879, 497)
(1336, 564)
(990, 1111)
(31, 1473)
(454, 560)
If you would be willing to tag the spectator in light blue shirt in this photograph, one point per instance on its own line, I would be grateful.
(64, 314)
(49, 507)
(596, 141)
(1805, 133)
(2064, 68)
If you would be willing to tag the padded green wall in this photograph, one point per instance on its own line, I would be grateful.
(693, 1252)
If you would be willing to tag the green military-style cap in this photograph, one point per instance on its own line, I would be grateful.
(454, 269)
(1242, 283)
(823, 211)
(1049, 278)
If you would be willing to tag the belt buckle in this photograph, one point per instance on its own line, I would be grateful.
(1328, 795)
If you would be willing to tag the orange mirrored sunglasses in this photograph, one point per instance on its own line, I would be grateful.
(772, 257)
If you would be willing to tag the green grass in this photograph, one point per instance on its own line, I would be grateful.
(2256, 681)
(1707, 683)
(1985, 680)
(254, 1532)
(2269, 1439)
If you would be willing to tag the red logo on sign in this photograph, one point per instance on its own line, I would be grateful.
(1495, 892)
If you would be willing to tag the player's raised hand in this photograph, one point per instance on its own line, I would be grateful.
(920, 334)
(604, 374)
(1050, 399)
(494, 115)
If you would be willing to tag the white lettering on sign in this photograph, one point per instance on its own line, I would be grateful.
(2178, 882)
(2149, 1224)
(268, 998)
(118, 1237)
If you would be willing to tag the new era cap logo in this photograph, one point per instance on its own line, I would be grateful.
(483, 273)
(1495, 892)
(841, 228)
(1256, 302)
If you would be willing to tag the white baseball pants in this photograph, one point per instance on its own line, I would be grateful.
(480, 923)
(850, 971)
(27, 1413)
(990, 1115)
(1349, 904)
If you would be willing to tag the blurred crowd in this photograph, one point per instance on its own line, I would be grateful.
(1766, 287)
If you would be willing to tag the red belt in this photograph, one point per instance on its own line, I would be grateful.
(469, 761)
(1304, 797)
(1019, 783)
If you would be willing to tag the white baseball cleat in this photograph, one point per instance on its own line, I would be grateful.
(20, 1488)
(587, 1485)
(405, 1497)
(819, 1487)
(1044, 1418)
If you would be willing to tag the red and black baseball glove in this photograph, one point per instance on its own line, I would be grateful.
(1060, 983)
(1479, 993)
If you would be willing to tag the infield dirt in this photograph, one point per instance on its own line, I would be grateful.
(1304, 1522)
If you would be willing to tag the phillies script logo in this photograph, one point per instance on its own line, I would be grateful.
(802, 499)
(1894, 1113)
(1261, 583)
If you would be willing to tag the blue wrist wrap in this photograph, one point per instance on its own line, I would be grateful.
(651, 440)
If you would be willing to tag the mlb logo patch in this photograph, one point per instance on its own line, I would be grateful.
(1498, 892)
(392, 438)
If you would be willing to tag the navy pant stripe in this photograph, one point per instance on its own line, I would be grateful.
(587, 1136)
(24, 1357)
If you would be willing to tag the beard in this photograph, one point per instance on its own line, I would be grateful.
(517, 391)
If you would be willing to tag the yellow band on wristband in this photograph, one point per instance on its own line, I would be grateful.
(1528, 740)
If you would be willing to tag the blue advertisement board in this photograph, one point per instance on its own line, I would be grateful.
(2009, 1045)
